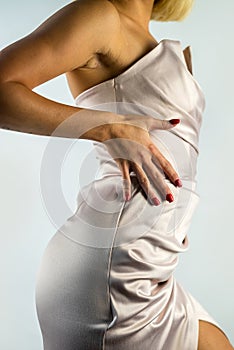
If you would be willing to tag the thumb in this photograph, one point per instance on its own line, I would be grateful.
(163, 124)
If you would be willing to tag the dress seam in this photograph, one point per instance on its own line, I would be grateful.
(109, 264)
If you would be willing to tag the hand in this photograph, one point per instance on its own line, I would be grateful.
(131, 147)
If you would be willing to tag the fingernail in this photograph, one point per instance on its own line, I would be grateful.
(155, 201)
(127, 196)
(178, 183)
(169, 197)
(174, 121)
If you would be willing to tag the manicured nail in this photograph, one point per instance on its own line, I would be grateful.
(169, 197)
(127, 196)
(178, 183)
(174, 121)
(155, 201)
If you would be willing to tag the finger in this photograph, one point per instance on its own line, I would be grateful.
(170, 172)
(145, 184)
(162, 124)
(159, 159)
(158, 180)
(126, 182)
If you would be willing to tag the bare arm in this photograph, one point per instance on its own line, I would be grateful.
(62, 43)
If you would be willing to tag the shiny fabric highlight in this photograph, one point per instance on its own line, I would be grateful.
(106, 278)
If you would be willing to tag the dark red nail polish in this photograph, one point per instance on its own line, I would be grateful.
(155, 201)
(178, 183)
(169, 197)
(174, 121)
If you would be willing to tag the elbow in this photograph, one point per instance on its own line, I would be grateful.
(4, 120)
(9, 72)
(10, 93)
(7, 105)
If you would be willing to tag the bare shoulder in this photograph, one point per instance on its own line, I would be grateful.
(86, 14)
(63, 42)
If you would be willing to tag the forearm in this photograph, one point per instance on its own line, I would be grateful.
(21, 109)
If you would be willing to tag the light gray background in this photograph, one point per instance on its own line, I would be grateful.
(206, 270)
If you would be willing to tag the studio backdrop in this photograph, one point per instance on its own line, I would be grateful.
(26, 226)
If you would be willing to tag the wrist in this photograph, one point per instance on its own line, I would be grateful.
(103, 125)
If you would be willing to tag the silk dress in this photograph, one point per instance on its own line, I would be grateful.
(106, 278)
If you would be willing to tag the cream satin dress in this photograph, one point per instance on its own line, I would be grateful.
(106, 277)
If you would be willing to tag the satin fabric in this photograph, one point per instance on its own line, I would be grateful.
(106, 277)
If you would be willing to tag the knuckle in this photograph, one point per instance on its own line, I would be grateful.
(142, 156)
(155, 151)
(151, 147)
(143, 180)
(126, 184)
(156, 175)
(175, 176)
(166, 164)
(172, 173)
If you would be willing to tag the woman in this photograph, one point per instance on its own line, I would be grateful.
(106, 278)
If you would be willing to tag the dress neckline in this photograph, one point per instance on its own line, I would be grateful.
(139, 62)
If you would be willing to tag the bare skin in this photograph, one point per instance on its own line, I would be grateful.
(67, 43)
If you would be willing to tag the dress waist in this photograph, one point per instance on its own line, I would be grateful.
(177, 151)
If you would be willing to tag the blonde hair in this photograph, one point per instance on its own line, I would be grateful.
(171, 10)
